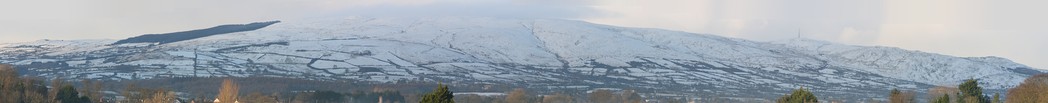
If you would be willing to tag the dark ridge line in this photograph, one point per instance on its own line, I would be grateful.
(193, 34)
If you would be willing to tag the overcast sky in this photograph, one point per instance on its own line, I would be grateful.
(972, 28)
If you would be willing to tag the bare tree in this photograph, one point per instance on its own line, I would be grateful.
(630, 96)
(557, 98)
(8, 80)
(897, 96)
(602, 96)
(92, 89)
(938, 91)
(162, 97)
(518, 95)
(229, 91)
(55, 84)
(1033, 90)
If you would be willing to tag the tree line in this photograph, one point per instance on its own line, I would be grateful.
(1033, 89)
(441, 94)
(17, 89)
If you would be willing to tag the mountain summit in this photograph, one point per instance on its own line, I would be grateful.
(538, 53)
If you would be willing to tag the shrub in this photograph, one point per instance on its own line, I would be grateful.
(800, 95)
(439, 95)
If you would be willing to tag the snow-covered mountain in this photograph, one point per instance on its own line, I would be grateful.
(536, 53)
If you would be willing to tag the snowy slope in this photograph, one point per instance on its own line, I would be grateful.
(529, 52)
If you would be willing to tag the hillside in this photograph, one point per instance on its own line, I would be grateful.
(534, 53)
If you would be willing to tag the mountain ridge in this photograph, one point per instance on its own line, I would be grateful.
(546, 53)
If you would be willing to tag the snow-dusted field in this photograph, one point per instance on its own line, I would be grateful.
(527, 52)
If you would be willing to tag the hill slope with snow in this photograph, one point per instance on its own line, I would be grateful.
(536, 53)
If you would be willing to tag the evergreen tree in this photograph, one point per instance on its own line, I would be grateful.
(799, 96)
(439, 95)
(68, 94)
(944, 99)
(971, 92)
